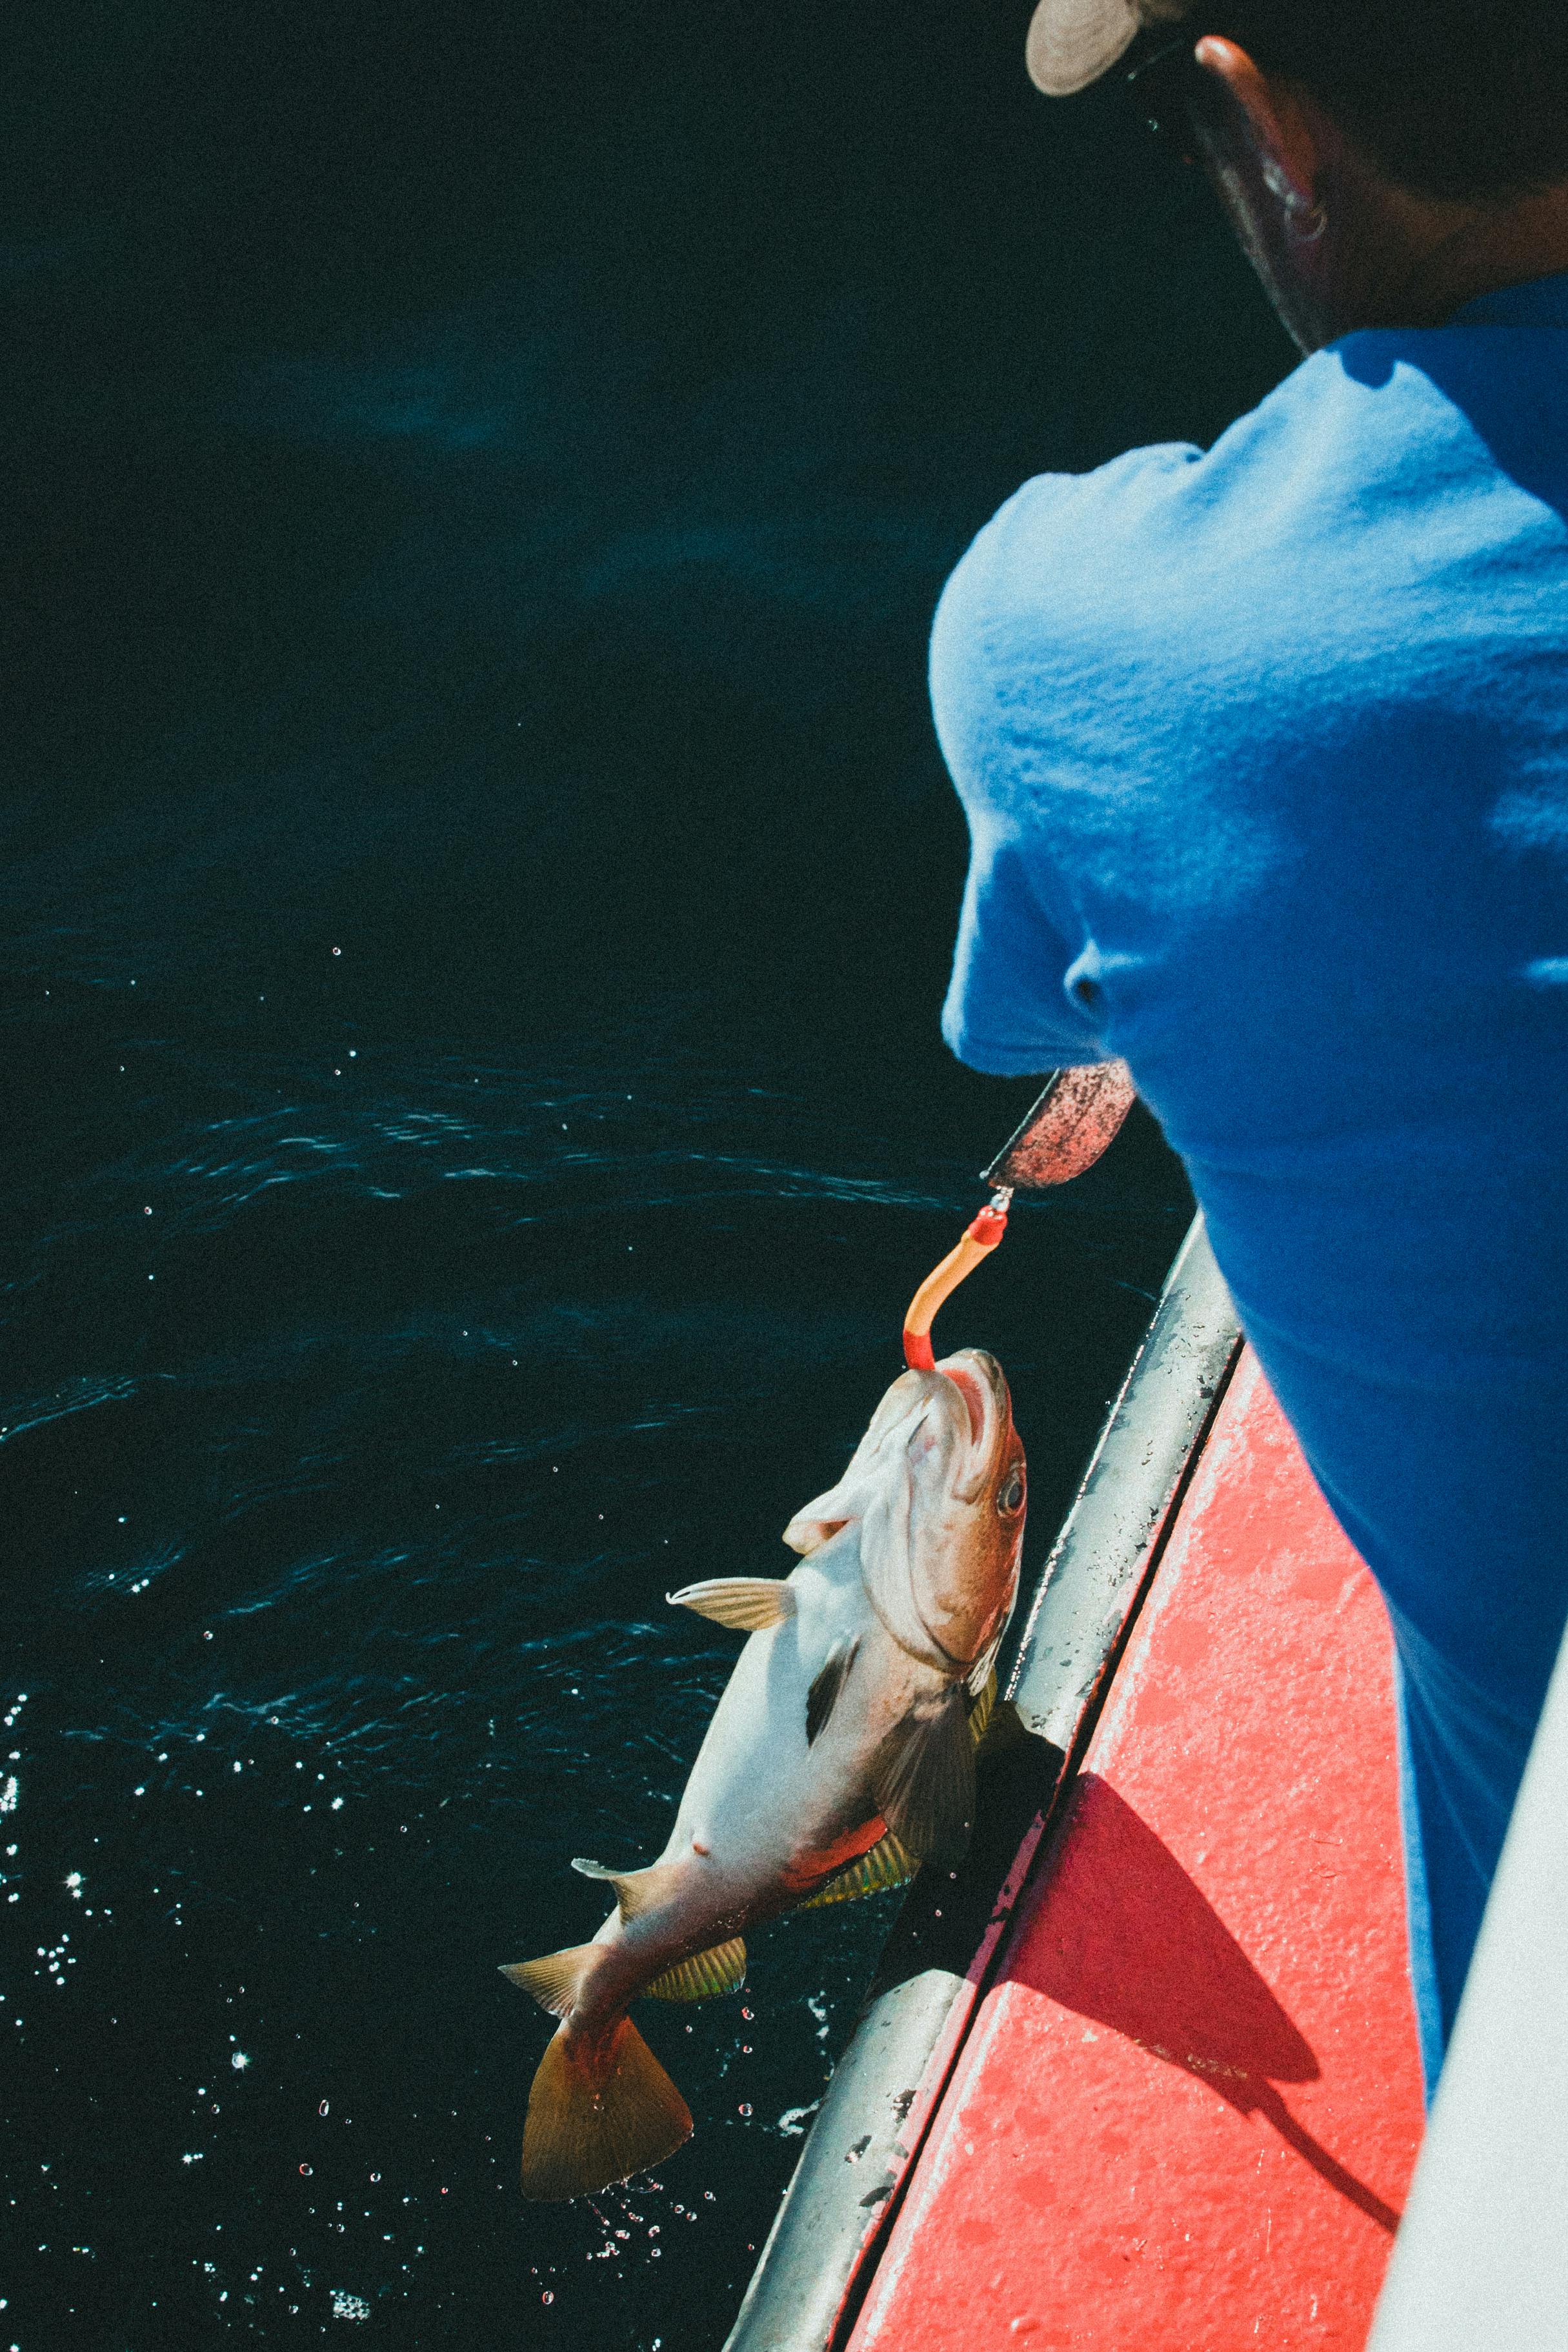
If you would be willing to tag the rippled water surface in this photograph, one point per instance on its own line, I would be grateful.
(478, 893)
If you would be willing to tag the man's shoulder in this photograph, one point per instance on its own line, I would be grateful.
(1374, 417)
(1406, 461)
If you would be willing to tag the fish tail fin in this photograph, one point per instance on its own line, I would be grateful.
(598, 2112)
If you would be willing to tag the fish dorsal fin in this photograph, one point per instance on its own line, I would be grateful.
(823, 1695)
(556, 1981)
(637, 1891)
(889, 1863)
(922, 1778)
(721, 1969)
(747, 1604)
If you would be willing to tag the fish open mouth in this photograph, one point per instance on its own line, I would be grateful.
(976, 1376)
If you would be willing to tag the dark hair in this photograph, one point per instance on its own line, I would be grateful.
(1453, 98)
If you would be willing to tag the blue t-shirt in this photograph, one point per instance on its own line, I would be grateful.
(1265, 757)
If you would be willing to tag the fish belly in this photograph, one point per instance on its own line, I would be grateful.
(757, 1785)
(776, 1812)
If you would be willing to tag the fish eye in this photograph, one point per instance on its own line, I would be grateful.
(1011, 1498)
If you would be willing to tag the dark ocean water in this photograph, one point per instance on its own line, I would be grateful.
(477, 891)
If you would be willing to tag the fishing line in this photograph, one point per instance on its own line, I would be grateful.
(1063, 1133)
(980, 1237)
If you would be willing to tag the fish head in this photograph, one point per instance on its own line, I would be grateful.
(935, 1490)
(969, 1495)
(873, 1460)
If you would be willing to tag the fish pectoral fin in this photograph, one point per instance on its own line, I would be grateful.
(721, 1969)
(922, 1779)
(823, 1695)
(595, 2116)
(556, 1981)
(747, 1604)
(808, 1531)
(984, 1671)
(889, 1863)
(982, 1707)
(635, 1890)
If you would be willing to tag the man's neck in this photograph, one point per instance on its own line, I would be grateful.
(1401, 260)
(1496, 246)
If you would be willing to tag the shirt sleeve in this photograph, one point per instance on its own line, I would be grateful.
(1008, 1010)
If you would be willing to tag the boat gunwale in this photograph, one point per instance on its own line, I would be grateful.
(821, 2253)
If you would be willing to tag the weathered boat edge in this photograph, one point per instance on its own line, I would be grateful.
(814, 2268)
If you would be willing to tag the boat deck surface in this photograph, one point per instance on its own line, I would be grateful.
(1185, 2109)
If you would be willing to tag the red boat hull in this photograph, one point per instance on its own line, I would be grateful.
(1186, 2112)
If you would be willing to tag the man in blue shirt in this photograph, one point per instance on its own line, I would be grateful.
(1265, 756)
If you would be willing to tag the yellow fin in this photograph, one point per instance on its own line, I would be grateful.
(721, 1969)
(747, 1604)
(981, 1708)
(555, 1981)
(888, 1865)
(597, 2114)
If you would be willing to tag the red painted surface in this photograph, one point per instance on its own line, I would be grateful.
(1188, 2111)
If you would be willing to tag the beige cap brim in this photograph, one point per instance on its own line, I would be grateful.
(1072, 42)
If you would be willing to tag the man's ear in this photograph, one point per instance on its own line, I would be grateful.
(1281, 131)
